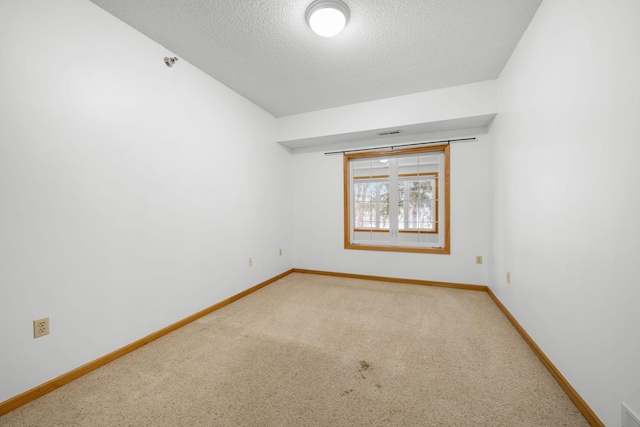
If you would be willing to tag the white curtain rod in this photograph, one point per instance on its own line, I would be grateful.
(393, 147)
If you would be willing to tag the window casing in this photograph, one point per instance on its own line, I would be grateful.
(397, 201)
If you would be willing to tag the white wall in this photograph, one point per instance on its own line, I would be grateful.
(441, 105)
(131, 195)
(318, 221)
(566, 188)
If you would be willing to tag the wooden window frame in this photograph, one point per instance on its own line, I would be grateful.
(446, 248)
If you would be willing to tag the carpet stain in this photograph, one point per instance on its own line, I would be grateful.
(364, 366)
(344, 393)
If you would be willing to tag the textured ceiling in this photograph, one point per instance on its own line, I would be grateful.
(264, 50)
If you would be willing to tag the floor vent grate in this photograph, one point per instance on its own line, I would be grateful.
(629, 419)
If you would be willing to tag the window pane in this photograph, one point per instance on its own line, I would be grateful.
(416, 204)
(370, 169)
(422, 216)
(371, 204)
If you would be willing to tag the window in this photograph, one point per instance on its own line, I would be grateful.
(398, 200)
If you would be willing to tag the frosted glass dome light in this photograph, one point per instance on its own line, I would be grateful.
(327, 17)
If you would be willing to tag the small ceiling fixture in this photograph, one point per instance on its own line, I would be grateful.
(327, 17)
(170, 61)
(391, 132)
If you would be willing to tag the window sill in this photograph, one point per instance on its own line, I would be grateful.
(414, 249)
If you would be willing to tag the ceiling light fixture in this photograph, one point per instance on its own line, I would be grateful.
(327, 17)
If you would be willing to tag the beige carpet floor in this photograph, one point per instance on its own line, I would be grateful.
(314, 350)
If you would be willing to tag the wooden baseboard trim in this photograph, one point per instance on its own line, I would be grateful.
(395, 280)
(36, 392)
(582, 406)
(39, 391)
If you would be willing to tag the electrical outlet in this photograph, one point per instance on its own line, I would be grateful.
(478, 259)
(508, 278)
(280, 252)
(250, 262)
(40, 327)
